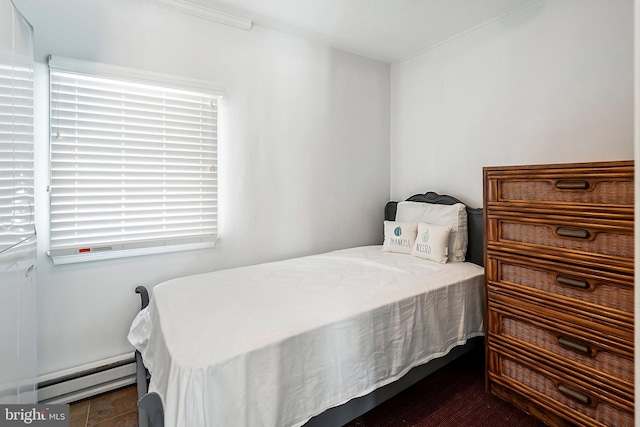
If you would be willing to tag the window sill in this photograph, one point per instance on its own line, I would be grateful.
(114, 253)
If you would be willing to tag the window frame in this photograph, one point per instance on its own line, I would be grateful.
(85, 71)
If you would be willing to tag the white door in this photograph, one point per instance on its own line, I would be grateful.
(18, 353)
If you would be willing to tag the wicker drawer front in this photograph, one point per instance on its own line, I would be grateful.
(588, 191)
(606, 185)
(560, 390)
(575, 241)
(582, 350)
(601, 289)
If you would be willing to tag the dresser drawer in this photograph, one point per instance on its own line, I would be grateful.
(577, 321)
(604, 294)
(589, 355)
(608, 187)
(599, 244)
(577, 402)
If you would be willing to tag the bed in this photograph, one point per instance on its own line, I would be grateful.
(279, 344)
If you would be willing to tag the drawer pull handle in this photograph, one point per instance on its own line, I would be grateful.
(576, 283)
(574, 345)
(574, 394)
(572, 185)
(578, 233)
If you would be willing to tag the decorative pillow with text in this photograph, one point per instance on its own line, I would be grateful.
(399, 236)
(432, 242)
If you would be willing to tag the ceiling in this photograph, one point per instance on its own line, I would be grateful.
(385, 30)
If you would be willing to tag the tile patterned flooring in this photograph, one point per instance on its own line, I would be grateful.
(117, 408)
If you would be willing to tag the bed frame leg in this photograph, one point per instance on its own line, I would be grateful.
(141, 383)
(150, 410)
(152, 405)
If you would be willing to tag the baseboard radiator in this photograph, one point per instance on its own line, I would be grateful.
(87, 381)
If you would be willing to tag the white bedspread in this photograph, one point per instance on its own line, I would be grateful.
(275, 344)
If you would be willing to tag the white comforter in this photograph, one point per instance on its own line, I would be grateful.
(275, 344)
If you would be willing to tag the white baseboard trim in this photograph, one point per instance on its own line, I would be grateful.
(86, 381)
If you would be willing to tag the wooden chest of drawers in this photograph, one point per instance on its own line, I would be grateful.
(559, 261)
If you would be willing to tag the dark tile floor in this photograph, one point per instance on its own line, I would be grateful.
(117, 408)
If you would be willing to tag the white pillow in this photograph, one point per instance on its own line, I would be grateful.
(452, 215)
(399, 236)
(432, 242)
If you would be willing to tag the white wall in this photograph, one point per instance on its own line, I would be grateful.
(304, 156)
(552, 83)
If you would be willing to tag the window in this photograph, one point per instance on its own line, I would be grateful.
(133, 162)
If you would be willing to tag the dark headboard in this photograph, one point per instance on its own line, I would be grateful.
(475, 246)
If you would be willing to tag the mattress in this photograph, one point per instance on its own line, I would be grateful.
(278, 343)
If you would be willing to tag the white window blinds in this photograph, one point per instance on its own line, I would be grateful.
(133, 165)
(16, 155)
